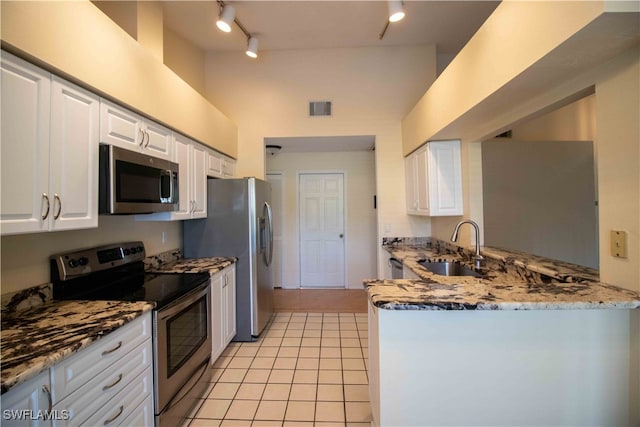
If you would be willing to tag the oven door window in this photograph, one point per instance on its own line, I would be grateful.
(186, 332)
(140, 184)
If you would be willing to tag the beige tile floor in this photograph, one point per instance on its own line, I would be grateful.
(306, 370)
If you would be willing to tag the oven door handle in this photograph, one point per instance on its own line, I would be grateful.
(189, 385)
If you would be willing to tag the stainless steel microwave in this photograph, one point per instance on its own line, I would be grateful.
(135, 183)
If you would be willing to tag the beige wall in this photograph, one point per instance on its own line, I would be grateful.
(573, 122)
(509, 42)
(360, 186)
(80, 42)
(371, 90)
(618, 153)
(25, 257)
(185, 59)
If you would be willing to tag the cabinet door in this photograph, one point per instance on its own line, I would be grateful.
(74, 156)
(445, 178)
(217, 319)
(120, 127)
(411, 167)
(181, 149)
(26, 92)
(158, 141)
(229, 304)
(228, 167)
(199, 181)
(24, 402)
(214, 164)
(422, 181)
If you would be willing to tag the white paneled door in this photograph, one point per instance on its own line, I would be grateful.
(322, 231)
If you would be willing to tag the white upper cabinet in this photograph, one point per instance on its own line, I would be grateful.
(228, 167)
(191, 158)
(125, 129)
(74, 156)
(219, 165)
(49, 151)
(434, 179)
(26, 100)
(214, 164)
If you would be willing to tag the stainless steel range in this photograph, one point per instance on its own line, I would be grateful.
(181, 319)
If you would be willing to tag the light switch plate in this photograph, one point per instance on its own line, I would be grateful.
(618, 244)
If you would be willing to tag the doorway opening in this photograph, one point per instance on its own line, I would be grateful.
(327, 188)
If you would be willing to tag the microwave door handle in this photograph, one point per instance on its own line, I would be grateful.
(171, 189)
(169, 174)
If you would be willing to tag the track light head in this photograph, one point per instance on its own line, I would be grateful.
(396, 10)
(252, 47)
(226, 17)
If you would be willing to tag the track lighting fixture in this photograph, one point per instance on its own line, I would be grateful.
(252, 47)
(226, 18)
(396, 10)
(396, 13)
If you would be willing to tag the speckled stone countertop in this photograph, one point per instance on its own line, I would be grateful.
(36, 339)
(510, 281)
(194, 265)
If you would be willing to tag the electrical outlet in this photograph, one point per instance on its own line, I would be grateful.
(164, 237)
(387, 228)
(618, 244)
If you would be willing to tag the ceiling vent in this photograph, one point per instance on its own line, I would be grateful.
(320, 108)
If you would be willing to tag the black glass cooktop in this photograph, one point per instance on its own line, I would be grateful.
(129, 283)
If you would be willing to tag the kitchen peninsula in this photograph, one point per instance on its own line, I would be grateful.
(530, 342)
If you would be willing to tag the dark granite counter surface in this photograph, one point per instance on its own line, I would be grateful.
(37, 338)
(509, 280)
(209, 265)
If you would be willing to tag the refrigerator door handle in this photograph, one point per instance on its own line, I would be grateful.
(270, 224)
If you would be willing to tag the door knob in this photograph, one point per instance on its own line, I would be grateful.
(341, 235)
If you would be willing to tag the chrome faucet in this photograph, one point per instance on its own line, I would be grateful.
(454, 238)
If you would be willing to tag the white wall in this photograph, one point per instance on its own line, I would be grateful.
(360, 242)
(25, 257)
(371, 89)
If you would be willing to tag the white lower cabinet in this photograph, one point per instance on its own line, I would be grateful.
(22, 404)
(434, 179)
(223, 307)
(106, 384)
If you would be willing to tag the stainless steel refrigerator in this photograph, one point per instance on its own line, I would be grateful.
(239, 223)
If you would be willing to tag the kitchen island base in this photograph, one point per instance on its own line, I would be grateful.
(501, 367)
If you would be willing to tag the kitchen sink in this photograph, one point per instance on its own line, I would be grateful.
(449, 269)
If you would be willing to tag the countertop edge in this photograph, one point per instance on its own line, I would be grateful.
(25, 373)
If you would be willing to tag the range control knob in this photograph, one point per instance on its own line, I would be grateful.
(127, 252)
(73, 263)
(140, 249)
(83, 260)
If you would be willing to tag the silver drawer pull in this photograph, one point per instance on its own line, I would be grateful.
(107, 387)
(46, 390)
(45, 198)
(104, 353)
(56, 197)
(112, 419)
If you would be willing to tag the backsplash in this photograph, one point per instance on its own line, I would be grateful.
(15, 302)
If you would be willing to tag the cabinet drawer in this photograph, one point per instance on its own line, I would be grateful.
(142, 416)
(125, 403)
(88, 399)
(70, 374)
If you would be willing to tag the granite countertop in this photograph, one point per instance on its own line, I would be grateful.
(209, 265)
(36, 339)
(510, 281)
